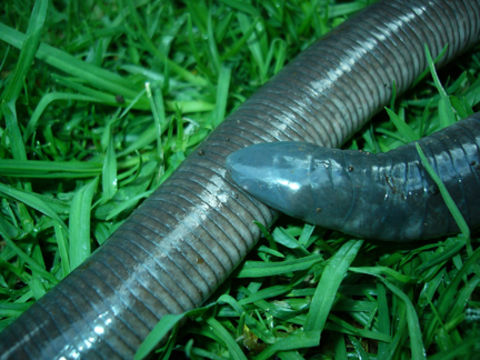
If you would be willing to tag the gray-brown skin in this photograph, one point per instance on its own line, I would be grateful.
(386, 196)
(183, 241)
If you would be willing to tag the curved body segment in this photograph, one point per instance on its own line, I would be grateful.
(386, 196)
(183, 241)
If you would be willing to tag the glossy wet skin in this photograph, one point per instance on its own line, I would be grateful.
(185, 240)
(379, 196)
(278, 174)
(294, 178)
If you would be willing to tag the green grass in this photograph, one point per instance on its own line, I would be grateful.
(83, 140)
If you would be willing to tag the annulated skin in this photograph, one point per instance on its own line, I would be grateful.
(387, 196)
(186, 239)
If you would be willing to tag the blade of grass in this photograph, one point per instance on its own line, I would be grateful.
(254, 45)
(416, 341)
(340, 349)
(223, 85)
(306, 239)
(184, 73)
(243, 6)
(15, 83)
(406, 131)
(449, 295)
(362, 354)
(383, 270)
(415, 332)
(427, 70)
(47, 100)
(62, 249)
(384, 323)
(16, 142)
(26, 258)
(36, 282)
(327, 288)
(109, 170)
(344, 327)
(100, 96)
(28, 47)
(32, 200)
(464, 350)
(130, 203)
(89, 73)
(166, 323)
(212, 46)
(233, 349)
(321, 304)
(445, 108)
(284, 238)
(49, 169)
(155, 99)
(447, 253)
(109, 173)
(79, 229)
(266, 293)
(260, 269)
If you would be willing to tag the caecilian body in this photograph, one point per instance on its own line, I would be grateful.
(191, 233)
(387, 196)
